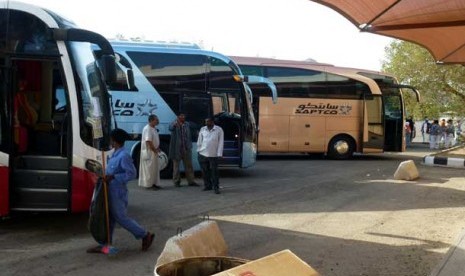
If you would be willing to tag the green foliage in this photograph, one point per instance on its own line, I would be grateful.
(442, 87)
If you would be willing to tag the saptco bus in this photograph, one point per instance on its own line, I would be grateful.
(54, 110)
(327, 109)
(172, 78)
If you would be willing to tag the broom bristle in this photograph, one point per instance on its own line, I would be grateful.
(109, 250)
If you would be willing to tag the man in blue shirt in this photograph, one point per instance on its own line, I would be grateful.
(119, 171)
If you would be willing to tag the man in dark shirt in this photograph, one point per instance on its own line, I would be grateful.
(181, 150)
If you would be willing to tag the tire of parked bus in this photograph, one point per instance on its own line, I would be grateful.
(341, 147)
(166, 173)
(136, 159)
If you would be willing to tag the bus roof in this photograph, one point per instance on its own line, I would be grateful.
(172, 49)
(353, 73)
(267, 61)
(51, 19)
(157, 44)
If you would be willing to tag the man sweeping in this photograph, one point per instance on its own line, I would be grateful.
(119, 171)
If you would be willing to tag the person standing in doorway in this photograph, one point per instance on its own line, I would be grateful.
(210, 149)
(119, 171)
(411, 124)
(181, 150)
(408, 134)
(149, 173)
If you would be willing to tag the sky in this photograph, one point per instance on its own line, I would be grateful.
(284, 29)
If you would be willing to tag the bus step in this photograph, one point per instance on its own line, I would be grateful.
(40, 179)
(38, 162)
(231, 152)
(229, 161)
(40, 200)
(230, 144)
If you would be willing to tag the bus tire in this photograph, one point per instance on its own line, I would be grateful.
(167, 172)
(341, 147)
(136, 159)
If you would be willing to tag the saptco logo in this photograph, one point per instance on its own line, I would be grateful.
(134, 109)
(324, 109)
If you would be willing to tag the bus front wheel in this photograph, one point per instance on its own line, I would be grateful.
(341, 147)
(166, 173)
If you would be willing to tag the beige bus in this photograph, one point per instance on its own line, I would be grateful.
(326, 109)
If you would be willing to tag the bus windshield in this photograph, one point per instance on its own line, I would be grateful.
(94, 109)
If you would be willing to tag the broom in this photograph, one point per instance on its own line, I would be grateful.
(107, 249)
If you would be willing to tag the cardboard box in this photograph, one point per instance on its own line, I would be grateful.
(283, 263)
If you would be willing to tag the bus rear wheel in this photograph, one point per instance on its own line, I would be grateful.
(341, 147)
(166, 173)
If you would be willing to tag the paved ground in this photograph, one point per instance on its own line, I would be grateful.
(342, 217)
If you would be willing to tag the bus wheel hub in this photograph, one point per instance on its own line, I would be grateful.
(342, 147)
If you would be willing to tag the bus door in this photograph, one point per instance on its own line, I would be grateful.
(5, 136)
(374, 123)
(226, 110)
(39, 152)
(395, 115)
(196, 107)
(393, 122)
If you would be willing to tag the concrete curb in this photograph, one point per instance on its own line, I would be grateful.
(452, 262)
(434, 160)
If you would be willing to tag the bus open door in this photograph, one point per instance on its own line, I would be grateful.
(5, 72)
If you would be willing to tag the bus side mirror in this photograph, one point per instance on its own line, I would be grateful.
(259, 80)
(109, 69)
(130, 80)
(94, 166)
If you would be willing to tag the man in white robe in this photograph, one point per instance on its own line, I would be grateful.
(149, 173)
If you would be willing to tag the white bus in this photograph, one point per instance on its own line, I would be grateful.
(181, 78)
(54, 110)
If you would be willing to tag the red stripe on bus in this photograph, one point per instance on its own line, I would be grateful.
(4, 191)
(83, 183)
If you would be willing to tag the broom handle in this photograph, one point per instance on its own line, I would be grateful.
(105, 193)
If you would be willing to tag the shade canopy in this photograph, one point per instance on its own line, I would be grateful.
(438, 25)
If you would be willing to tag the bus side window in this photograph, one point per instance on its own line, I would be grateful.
(218, 104)
(59, 101)
(196, 107)
(250, 70)
(173, 99)
(172, 72)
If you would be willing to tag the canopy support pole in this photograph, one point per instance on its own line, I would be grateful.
(367, 25)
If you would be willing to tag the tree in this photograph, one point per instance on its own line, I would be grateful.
(442, 87)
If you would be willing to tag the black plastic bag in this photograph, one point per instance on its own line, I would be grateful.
(97, 224)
